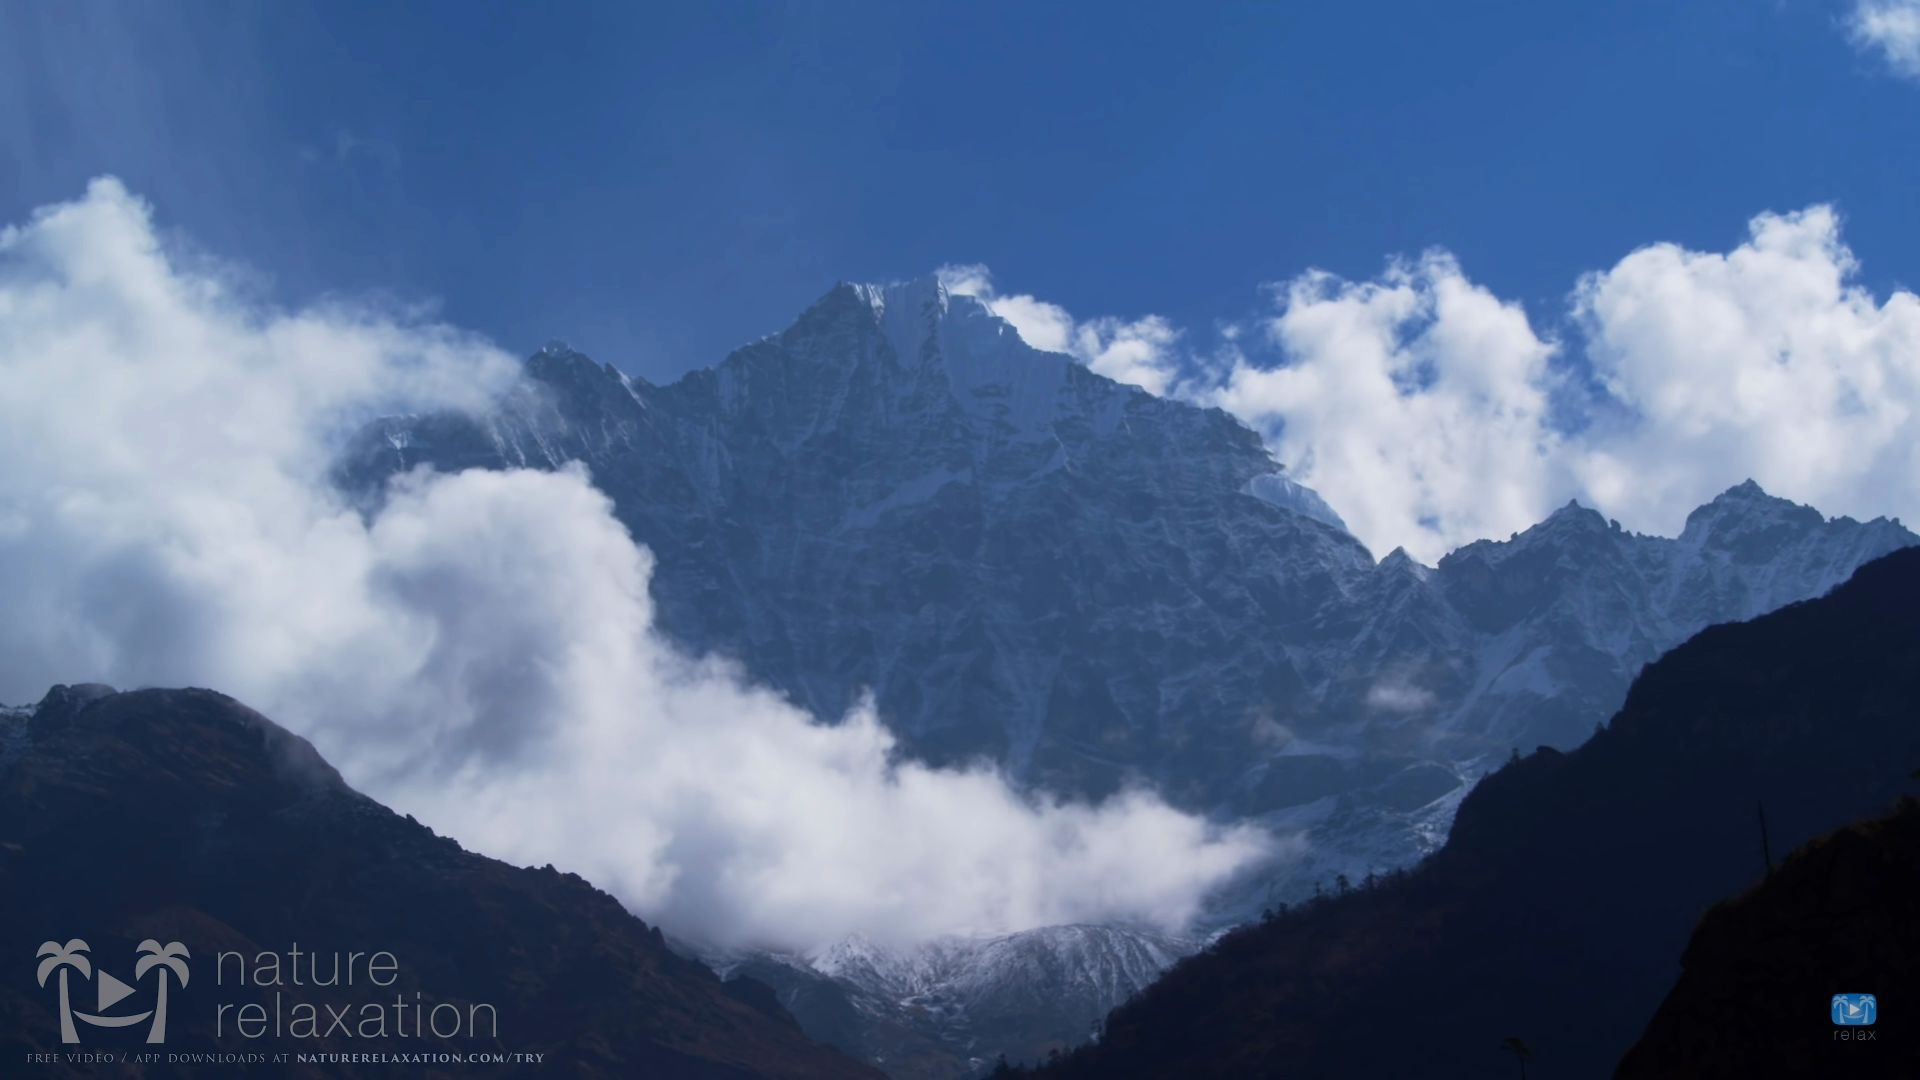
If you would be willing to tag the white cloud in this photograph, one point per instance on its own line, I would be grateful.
(1400, 697)
(1416, 405)
(1890, 28)
(1429, 412)
(967, 279)
(1769, 361)
(481, 653)
(1420, 405)
(1139, 352)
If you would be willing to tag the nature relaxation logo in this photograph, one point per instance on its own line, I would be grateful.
(258, 1006)
(276, 982)
(58, 962)
(1855, 1010)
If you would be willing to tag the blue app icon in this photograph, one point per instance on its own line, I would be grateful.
(1855, 1010)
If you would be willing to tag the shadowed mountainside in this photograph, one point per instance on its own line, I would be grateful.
(948, 1008)
(1560, 906)
(1841, 916)
(183, 815)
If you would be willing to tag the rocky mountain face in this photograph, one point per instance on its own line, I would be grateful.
(1089, 584)
(952, 1008)
(182, 816)
(1020, 558)
(1558, 910)
(1093, 586)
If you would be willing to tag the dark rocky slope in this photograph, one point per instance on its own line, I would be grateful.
(1841, 916)
(182, 815)
(1560, 906)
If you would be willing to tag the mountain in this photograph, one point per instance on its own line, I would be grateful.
(1842, 914)
(181, 815)
(1559, 907)
(1090, 585)
(1021, 558)
(951, 1007)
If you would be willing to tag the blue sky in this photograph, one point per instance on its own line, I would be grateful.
(660, 183)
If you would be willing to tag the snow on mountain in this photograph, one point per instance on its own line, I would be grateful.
(1093, 586)
(1023, 559)
(1281, 490)
(951, 1007)
(1028, 561)
(13, 730)
(1100, 965)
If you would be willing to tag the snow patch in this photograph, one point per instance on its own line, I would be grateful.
(1282, 491)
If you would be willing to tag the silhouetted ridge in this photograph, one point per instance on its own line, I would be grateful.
(1559, 908)
(182, 815)
(1842, 915)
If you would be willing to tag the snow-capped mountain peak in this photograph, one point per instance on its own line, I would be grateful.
(949, 1007)
(992, 375)
(1746, 508)
(1025, 560)
(1094, 587)
(1285, 492)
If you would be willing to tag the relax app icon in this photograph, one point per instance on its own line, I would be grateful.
(57, 962)
(1855, 1010)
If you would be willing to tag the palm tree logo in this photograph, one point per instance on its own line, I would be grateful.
(168, 959)
(57, 957)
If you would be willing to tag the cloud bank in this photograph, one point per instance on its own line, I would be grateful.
(1891, 29)
(1430, 412)
(482, 652)
(1416, 404)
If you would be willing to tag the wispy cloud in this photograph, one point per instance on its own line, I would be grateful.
(1399, 696)
(1890, 29)
(346, 148)
(1139, 352)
